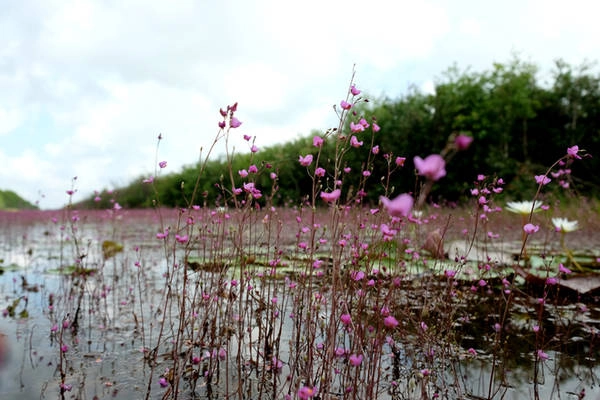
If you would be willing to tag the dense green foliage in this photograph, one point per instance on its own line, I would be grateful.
(9, 200)
(519, 125)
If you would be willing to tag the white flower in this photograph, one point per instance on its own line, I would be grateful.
(564, 225)
(523, 207)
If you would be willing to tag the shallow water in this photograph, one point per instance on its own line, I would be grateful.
(105, 358)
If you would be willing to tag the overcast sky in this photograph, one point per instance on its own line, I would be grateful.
(87, 86)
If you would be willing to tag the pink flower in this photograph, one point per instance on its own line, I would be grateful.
(355, 359)
(563, 269)
(432, 167)
(247, 137)
(531, 228)
(542, 179)
(222, 353)
(331, 197)
(375, 150)
(357, 275)
(182, 238)
(345, 105)
(462, 142)
(317, 141)
(243, 173)
(234, 122)
(356, 128)
(354, 142)
(305, 392)
(320, 172)
(551, 280)
(450, 273)
(254, 148)
(375, 127)
(400, 161)
(162, 164)
(390, 322)
(400, 206)
(572, 152)
(253, 169)
(306, 160)
(251, 188)
(163, 382)
(346, 319)
(354, 91)
(542, 355)
(388, 233)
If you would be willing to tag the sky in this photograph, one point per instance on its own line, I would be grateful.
(87, 86)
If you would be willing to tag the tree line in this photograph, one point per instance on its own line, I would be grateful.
(520, 124)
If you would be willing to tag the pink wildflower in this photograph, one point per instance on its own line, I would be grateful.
(306, 160)
(400, 206)
(181, 238)
(357, 275)
(331, 197)
(563, 269)
(356, 128)
(531, 228)
(400, 161)
(390, 322)
(355, 359)
(346, 319)
(542, 179)
(432, 167)
(345, 105)
(305, 392)
(551, 280)
(572, 152)
(317, 141)
(462, 142)
(234, 122)
(354, 142)
(162, 164)
(354, 91)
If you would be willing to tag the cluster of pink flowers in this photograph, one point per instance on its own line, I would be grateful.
(228, 117)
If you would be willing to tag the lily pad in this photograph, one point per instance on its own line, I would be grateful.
(110, 248)
(71, 270)
(9, 267)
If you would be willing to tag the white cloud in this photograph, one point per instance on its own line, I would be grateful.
(87, 85)
(10, 119)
